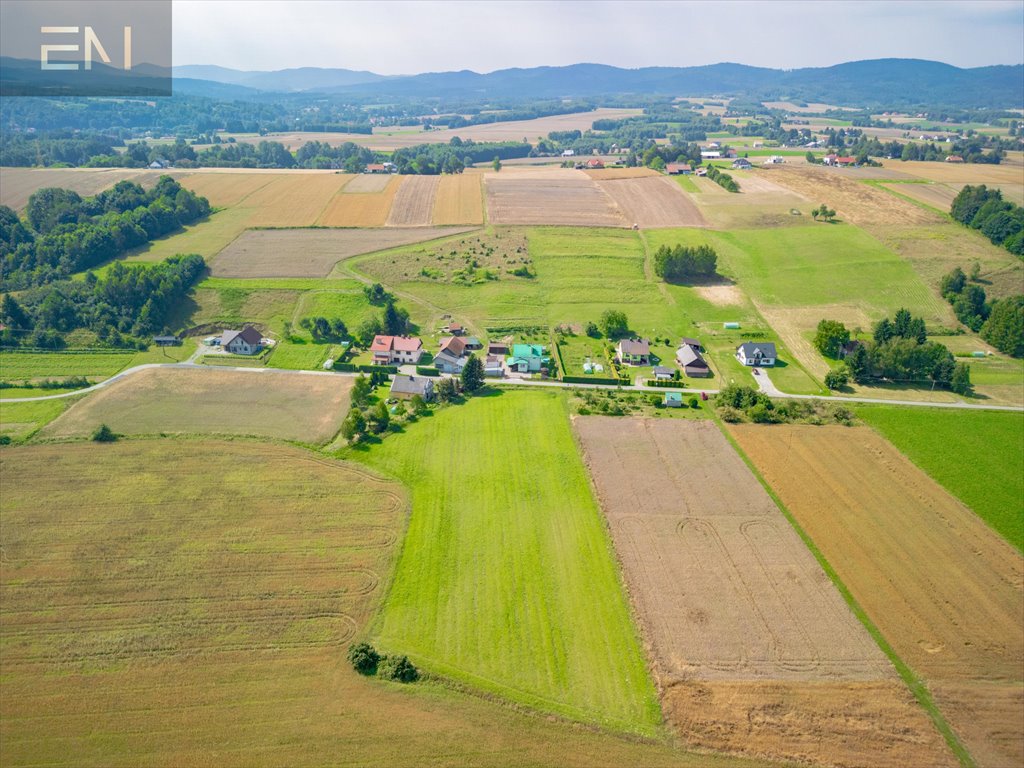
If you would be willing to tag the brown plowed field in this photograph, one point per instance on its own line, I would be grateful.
(556, 197)
(854, 202)
(653, 201)
(414, 202)
(608, 174)
(943, 588)
(459, 199)
(310, 252)
(371, 209)
(749, 640)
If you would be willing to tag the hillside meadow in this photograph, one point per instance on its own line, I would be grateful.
(506, 580)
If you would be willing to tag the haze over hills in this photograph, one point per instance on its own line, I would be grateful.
(858, 83)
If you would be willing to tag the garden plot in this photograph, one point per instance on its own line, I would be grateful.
(414, 202)
(943, 588)
(310, 252)
(731, 601)
(556, 197)
(653, 201)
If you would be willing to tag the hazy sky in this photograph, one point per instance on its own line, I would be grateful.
(412, 37)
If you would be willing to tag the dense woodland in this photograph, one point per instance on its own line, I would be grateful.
(64, 233)
(1001, 221)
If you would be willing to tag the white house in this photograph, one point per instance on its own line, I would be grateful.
(247, 341)
(761, 353)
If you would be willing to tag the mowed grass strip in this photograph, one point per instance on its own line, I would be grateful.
(507, 580)
(978, 456)
(211, 402)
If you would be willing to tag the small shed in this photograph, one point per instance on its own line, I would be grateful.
(673, 400)
(730, 326)
(661, 373)
(166, 341)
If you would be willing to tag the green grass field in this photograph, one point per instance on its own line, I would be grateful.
(507, 580)
(687, 184)
(294, 356)
(978, 456)
(22, 420)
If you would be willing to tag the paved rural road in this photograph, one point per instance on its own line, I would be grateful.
(772, 390)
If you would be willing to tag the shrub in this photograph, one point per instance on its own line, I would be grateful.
(837, 378)
(104, 434)
(694, 402)
(5, 439)
(364, 658)
(399, 669)
(730, 414)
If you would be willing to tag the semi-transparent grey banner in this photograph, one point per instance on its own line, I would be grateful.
(85, 47)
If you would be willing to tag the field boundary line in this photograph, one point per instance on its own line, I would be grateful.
(879, 184)
(917, 687)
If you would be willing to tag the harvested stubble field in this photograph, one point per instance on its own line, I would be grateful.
(366, 183)
(1007, 172)
(211, 402)
(610, 174)
(936, 195)
(18, 184)
(414, 202)
(653, 202)
(459, 199)
(555, 197)
(370, 209)
(310, 252)
(198, 614)
(294, 200)
(945, 590)
(855, 202)
(754, 649)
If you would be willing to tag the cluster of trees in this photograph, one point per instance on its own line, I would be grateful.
(365, 660)
(830, 337)
(394, 320)
(900, 351)
(737, 403)
(365, 418)
(824, 213)
(324, 329)
(681, 262)
(1000, 323)
(18, 149)
(1001, 221)
(70, 234)
(722, 179)
(613, 325)
(453, 157)
(123, 307)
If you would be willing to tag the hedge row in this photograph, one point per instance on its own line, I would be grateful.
(352, 368)
(423, 370)
(665, 384)
(593, 380)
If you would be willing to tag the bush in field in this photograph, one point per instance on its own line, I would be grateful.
(614, 323)
(398, 668)
(364, 658)
(830, 337)
(837, 378)
(104, 434)
(694, 402)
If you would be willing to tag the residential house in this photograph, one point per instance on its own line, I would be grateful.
(675, 169)
(455, 329)
(954, 159)
(829, 159)
(702, 171)
(493, 366)
(710, 154)
(741, 163)
(452, 356)
(714, 145)
(842, 162)
(376, 168)
(406, 387)
(396, 350)
(247, 341)
(673, 400)
(760, 353)
(594, 164)
(692, 362)
(695, 343)
(526, 358)
(730, 153)
(661, 373)
(473, 344)
(634, 352)
(775, 160)
(568, 152)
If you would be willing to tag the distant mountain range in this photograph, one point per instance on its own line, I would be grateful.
(879, 82)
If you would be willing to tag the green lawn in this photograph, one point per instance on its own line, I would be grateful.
(687, 184)
(21, 420)
(307, 356)
(977, 456)
(16, 366)
(506, 580)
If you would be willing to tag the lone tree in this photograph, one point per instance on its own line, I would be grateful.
(353, 426)
(473, 374)
(496, 163)
(614, 323)
(837, 378)
(446, 390)
(399, 669)
(830, 337)
(104, 434)
(364, 658)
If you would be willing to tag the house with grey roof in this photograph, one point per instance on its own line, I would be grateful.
(756, 353)
(692, 362)
(634, 352)
(406, 387)
(247, 341)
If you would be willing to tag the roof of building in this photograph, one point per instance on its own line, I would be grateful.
(527, 350)
(687, 355)
(695, 343)
(847, 160)
(375, 166)
(453, 345)
(767, 348)
(497, 345)
(673, 397)
(635, 347)
(661, 370)
(446, 357)
(741, 161)
(396, 343)
(248, 334)
(675, 167)
(411, 385)
(159, 339)
(472, 341)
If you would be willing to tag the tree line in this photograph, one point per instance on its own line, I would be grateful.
(680, 262)
(985, 210)
(66, 233)
(1000, 323)
(122, 308)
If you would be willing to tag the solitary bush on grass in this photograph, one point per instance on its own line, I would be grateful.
(104, 434)
(364, 658)
(398, 668)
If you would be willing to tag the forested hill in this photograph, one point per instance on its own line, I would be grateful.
(880, 82)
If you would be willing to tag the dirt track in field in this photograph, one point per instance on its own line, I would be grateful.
(311, 252)
(414, 202)
(750, 642)
(944, 589)
(556, 197)
(653, 201)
